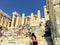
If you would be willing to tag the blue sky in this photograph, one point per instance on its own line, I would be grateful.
(22, 6)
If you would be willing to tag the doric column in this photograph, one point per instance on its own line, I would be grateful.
(12, 24)
(38, 13)
(2, 20)
(38, 17)
(23, 15)
(5, 23)
(8, 23)
(26, 21)
(32, 19)
(17, 22)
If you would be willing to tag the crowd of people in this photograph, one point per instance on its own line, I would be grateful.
(32, 36)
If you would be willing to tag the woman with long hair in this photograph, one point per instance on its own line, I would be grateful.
(33, 40)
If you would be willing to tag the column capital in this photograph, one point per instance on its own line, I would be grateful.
(23, 14)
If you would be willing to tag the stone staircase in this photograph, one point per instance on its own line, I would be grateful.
(13, 40)
(21, 40)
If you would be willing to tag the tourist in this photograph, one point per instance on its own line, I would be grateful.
(1, 31)
(26, 33)
(33, 40)
(19, 32)
(29, 31)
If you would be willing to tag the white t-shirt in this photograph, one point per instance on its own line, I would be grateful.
(30, 30)
(2, 31)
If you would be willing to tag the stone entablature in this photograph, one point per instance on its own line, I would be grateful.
(4, 14)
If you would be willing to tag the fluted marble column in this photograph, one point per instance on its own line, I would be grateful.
(2, 20)
(5, 23)
(32, 19)
(8, 23)
(38, 13)
(26, 21)
(23, 15)
(17, 22)
(12, 24)
(38, 17)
